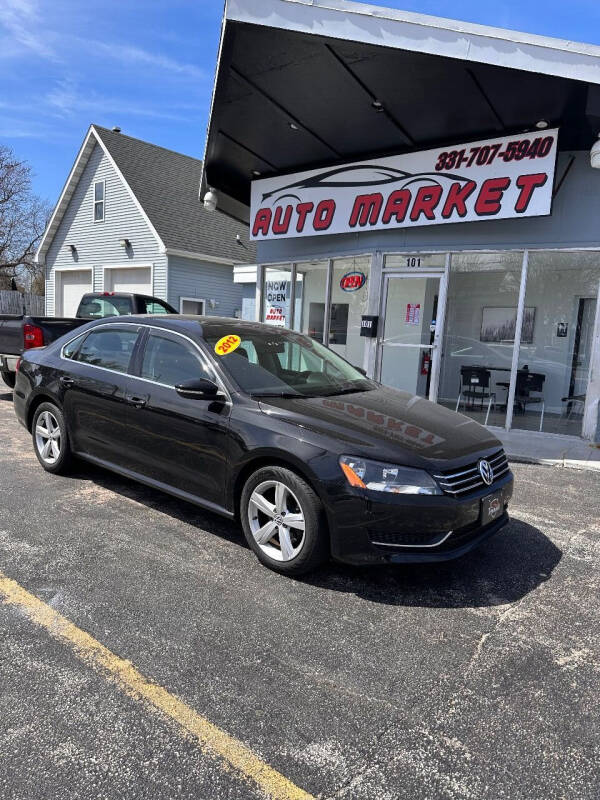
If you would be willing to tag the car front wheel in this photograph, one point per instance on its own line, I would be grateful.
(283, 521)
(50, 440)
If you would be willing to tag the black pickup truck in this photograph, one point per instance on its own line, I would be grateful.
(22, 332)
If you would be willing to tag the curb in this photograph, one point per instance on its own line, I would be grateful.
(567, 463)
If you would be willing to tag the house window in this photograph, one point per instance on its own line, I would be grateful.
(99, 192)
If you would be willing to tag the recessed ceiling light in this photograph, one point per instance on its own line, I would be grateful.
(294, 127)
(541, 124)
(377, 105)
(257, 173)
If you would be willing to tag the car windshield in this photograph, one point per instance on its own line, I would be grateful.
(280, 363)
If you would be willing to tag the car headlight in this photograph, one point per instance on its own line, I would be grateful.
(380, 477)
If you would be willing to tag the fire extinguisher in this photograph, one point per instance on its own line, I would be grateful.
(425, 363)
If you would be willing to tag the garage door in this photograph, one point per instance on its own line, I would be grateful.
(129, 279)
(71, 285)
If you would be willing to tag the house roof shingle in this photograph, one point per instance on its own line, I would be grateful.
(166, 185)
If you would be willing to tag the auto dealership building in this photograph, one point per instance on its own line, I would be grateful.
(422, 196)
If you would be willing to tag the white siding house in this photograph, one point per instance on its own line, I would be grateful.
(130, 219)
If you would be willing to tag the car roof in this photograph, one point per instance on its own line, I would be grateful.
(200, 326)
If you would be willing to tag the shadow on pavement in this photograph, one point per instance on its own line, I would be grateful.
(7, 396)
(179, 510)
(502, 570)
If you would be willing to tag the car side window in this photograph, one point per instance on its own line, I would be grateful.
(108, 348)
(155, 307)
(70, 349)
(170, 362)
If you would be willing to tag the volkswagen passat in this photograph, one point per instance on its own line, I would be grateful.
(269, 427)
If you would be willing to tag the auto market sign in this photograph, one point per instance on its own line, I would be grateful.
(511, 176)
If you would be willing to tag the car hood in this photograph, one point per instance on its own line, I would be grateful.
(385, 423)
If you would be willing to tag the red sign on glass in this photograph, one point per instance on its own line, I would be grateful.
(413, 313)
(352, 281)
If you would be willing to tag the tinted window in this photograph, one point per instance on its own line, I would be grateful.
(100, 307)
(154, 307)
(69, 350)
(247, 350)
(110, 349)
(171, 361)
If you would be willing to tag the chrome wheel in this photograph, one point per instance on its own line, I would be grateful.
(48, 437)
(276, 520)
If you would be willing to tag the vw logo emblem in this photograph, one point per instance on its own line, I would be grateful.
(278, 519)
(486, 472)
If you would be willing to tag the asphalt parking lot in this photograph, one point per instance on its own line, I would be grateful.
(474, 679)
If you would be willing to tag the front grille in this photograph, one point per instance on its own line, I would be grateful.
(468, 479)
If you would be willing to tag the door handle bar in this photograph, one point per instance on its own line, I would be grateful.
(134, 400)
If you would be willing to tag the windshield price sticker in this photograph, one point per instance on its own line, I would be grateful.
(227, 344)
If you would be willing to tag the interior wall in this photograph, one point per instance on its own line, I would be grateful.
(356, 301)
(313, 290)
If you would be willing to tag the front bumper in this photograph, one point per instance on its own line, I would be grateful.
(368, 528)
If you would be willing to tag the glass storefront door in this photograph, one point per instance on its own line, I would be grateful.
(408, 345)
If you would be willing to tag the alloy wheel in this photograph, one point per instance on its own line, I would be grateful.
(276, 520)
(48, 437)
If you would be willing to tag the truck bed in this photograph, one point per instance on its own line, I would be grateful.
(11, 330)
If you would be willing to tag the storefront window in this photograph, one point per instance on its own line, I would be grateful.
(478, 342)
(277, 308)
(556, 341)
(311, 293)
(349, 293)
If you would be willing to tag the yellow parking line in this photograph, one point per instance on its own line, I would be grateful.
(130, 680)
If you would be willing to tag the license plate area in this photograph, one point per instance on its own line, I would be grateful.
(492, 507)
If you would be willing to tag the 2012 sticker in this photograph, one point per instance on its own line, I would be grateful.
(227, 344)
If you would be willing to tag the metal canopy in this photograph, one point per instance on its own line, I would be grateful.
(292, 93)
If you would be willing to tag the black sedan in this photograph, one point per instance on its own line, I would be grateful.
(267, 426)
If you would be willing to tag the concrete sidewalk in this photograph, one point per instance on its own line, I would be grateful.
(549, 448)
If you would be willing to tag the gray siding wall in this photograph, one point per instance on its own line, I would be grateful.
(98, 242)
(573, 223)
(191, 278)
(248, 290)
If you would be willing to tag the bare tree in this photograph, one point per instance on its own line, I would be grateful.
(23, 218)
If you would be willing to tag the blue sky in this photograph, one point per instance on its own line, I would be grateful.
(148, 67)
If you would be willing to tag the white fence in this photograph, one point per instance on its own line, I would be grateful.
(17, 303)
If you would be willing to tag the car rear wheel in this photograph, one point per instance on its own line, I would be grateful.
(283, 521)
(50, 440)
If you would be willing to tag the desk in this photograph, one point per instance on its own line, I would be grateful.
(496, 369)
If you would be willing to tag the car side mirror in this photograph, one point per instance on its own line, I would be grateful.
(198, 389)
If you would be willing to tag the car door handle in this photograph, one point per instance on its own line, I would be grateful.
(66, 381)
(135, 400)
